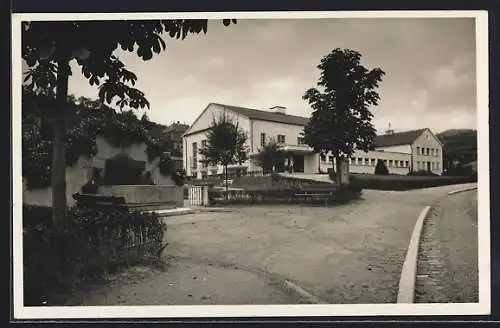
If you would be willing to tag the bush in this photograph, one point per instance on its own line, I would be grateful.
(405, 182)
(381, 168)
(95, 241)
(422, 173)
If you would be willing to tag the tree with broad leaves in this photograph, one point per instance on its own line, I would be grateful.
(226, 145)
(270, 156)
(49, 46)
(341, 118)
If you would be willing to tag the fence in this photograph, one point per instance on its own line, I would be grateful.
(198, 195)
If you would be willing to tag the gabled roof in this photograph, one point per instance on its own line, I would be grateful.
(263, 115)
(398, 138)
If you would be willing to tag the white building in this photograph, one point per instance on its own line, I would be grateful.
(402, 152)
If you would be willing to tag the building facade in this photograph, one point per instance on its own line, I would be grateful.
(402, 152)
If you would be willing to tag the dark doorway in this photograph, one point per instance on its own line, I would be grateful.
(428, 166)
(280, 166)
(298, 163)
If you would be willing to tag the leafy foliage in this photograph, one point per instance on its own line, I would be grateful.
(270, 155)
(96, 241)
(341, 119)
(225, 143)
(46, 42)
(88, 119)
(49, 46)
(459, 146)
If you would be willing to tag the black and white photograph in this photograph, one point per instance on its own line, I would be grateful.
(250, 164)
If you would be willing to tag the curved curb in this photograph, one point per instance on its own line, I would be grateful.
(462, 190)
(302, 293)
(406, 291)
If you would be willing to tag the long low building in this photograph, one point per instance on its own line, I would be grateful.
(402, 152)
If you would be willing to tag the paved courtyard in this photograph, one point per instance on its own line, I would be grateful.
(344, 254)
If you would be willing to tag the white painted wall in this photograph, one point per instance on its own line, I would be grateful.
(272, 130)
(359, 163)
(81, 172)
(197, 133)
(435, 157)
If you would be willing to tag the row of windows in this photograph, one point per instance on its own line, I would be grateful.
(373, 162)
(280, 139)
(427, 151)
(427, 166)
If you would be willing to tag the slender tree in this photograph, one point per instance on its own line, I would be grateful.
(341, 119)
(226, 145)
(270, 156)
(48, 47)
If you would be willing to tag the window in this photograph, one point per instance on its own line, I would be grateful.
(437, 152)
(300, 140)
(433, 165)
(352, 161)
(195, 155)
(418, 165)
(281, 138)
(390, 163)
(433, 151)
(407, 163)
(418, 150)
(373, 161)
(385, 161)
(322, 157)
(427, 151)
(437, 166)
(262, 139)
(203, 145)
(360, 161)
(367, 161)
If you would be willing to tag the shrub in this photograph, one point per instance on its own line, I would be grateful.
(422, 173)
(96, 240)
(381, 168)
(179, 177)
(405, 182)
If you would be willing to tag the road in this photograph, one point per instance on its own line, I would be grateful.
(447, 270)
(350, 253)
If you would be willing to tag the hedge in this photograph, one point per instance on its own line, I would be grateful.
(405, 182)
(95, 242)
(283, 195)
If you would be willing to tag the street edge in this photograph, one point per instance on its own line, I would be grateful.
(462, 190)
(406, 291)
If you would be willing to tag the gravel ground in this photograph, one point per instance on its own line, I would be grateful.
(350, 253)
(447, 270)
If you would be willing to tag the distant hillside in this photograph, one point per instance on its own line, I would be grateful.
(459, 145)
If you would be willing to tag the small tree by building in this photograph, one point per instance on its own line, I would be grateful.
(270, 156)
(381, 168)
(226, 145)
(341, 119)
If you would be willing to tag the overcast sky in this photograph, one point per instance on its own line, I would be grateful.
(429, 65)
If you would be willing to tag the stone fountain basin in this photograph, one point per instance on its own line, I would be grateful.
(146, 196)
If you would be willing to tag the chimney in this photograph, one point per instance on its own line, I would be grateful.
(279, 109)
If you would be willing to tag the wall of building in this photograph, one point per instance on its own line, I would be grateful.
(272, 130)
(201, 124)
(361, 162)
(427, 141)
(81, 172)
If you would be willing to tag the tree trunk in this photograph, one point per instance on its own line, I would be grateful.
(225, 180)
(338, 173)
(58, 173)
